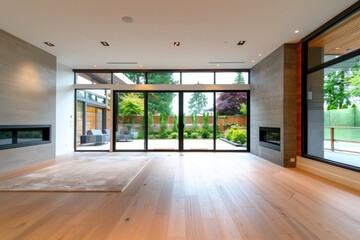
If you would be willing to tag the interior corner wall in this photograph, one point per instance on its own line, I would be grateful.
(64, 110)
(273, 103)
(27, 97)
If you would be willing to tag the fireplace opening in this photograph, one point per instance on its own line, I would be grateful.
(14, 136)
(269, 137)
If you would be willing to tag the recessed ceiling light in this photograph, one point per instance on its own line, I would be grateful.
(296, 31)
(259, 54)
(176, 44)
(94, 65)
(140, 66)
(242, 42)
(218, 65)
(253, 61)
(49, 44)
(104, 43)
(127, 19)
(337, 48)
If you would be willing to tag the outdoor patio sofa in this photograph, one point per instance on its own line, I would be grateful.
(95, 136)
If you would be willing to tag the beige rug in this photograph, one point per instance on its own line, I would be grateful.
(88, 173)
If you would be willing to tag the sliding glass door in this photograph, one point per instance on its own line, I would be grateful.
(129, 121)
(163, 120)
(198, 109)
(181, 121)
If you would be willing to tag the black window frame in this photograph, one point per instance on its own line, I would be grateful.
(305, 71)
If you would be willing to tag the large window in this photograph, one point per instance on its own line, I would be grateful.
(332, 94)
(151, 110)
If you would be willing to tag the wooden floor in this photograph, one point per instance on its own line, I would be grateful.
(192, 196)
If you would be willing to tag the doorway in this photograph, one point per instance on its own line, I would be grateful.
(180, 121)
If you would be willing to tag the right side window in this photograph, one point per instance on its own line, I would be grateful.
(333, 94)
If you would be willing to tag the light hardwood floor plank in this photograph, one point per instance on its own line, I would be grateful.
(181, 196)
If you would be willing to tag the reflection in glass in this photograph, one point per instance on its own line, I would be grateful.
(339, 40)
(5, 137)
(333, 111)
(29, 135)
(129, 78)
(93, 78)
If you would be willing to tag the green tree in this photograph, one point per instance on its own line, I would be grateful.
(341, 86)
(160, 78)
(160, 102)
(354, 79)
(205, 119)
(150, 122)
(194, 121)
(175, 124)
(137, 78)
(163, 125)
(243, 109)
(131, 104)
(197, 102)
(335, 94)
(239, 79)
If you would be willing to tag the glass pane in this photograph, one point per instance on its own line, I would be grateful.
(231, 119)
(5, 137)
(93, 78)
(340, 39)
(197, 78)
(163, 121)
(129, 78)
(92, 119)
(29, 136)
(232, 77)
(163, 78)
(333, 113)
(130, 121)
(199, 120)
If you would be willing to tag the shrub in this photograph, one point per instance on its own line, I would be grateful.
(238, 135)
(174, 135)
(186, 135)
(194, 135)
(235, 134)
(188, 131)
(205, 133)
(164, 135)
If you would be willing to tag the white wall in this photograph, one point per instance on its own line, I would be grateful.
(64, 110)
(340, 175)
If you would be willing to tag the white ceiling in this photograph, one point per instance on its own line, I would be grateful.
(208, 30)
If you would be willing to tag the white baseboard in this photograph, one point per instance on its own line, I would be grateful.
(340, 175)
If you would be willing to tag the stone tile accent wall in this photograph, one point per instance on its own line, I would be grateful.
(27, 96)
(273, 103)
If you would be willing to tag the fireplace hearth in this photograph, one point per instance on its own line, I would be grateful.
(270, 137)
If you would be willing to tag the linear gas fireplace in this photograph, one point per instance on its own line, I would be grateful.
(269, 137)
(14, 136)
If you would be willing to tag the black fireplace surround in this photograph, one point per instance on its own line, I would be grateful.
(269, 137)
(15, 136)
